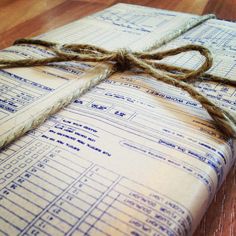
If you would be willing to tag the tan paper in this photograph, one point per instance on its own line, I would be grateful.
(132, 156)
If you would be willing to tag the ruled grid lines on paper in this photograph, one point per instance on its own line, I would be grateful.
(99, 166)
(56, 75)
(138, 21)
(11, 150)
(60, 70)
(144, 131)
(221, 66)
(57, 194)
(120, 26)
(65, 131)
(18, 92)
(127, 112)
(216, 35)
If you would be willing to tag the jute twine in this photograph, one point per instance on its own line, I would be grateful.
(146, 62)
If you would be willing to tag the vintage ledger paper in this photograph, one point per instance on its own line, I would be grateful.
(132, 156)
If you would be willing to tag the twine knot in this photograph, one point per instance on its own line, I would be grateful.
(146, 62)
(122, 60)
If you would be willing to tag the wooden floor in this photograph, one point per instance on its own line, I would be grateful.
(25, 18)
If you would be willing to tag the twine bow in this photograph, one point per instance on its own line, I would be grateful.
(147, 62)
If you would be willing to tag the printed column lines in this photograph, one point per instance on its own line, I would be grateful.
(44, 161)
(161, 204)
(26, 199)
(116, 218)
(48, 194)
(36, 176)
(15, 203)
(131, 216)
(95, 205)
(55, 200)
(121, 202)
(41, 221)
(19, 149)
(99, 219)
(14, 213)
(25, 167)
(230, 69)
(32, 172)
(12, 225)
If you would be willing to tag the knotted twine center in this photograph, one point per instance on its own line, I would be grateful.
(148, 63)
(122, 61)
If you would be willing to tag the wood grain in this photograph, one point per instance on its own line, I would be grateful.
(26, 18)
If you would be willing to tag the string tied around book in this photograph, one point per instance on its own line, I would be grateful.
(147, 62)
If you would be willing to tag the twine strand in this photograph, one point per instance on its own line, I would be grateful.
(147, 62)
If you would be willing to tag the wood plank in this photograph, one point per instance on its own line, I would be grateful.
(223, 9)
(220, 218)
(47, 19)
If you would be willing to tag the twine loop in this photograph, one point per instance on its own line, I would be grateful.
(147, 62)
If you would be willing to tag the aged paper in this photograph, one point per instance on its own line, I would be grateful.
(27, 94)
(132, 156)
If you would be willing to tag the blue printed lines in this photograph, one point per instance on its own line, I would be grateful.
(17, 92)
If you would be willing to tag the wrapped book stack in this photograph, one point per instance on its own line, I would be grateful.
(130, 155)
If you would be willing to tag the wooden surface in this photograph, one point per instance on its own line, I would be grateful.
(25, 18)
